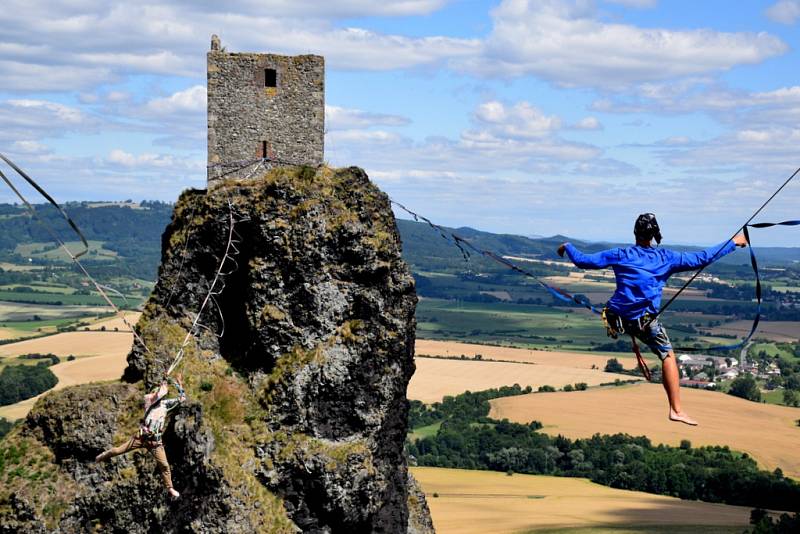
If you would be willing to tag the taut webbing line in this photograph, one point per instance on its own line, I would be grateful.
(73, 257)
(758, 290)
(463, 245)
(230, 251)
(753, 216)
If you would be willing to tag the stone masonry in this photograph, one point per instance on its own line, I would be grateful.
(263, 106)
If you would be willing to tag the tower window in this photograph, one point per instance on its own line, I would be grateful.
(270, 78)
(264, 152)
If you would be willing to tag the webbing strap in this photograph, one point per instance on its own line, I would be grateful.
(758, 290)
(465, 246)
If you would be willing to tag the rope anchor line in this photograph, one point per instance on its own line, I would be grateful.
(101, 289)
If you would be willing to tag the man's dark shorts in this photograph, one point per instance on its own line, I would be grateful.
(654, 335)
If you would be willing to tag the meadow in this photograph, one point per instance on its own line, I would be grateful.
(535, 326)
(578, 360)
(766, 432)
(437, 377)
(487, 502)
(100, 355)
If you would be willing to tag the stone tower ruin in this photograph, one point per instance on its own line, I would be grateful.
(263, 106)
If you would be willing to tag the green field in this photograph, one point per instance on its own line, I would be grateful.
(532, 326)
(40, 286)
(772, 349)
(58, 299)
(423, 432)
(525, 325)
(53, 252)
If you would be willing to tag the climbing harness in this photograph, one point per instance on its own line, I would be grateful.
(101, 289)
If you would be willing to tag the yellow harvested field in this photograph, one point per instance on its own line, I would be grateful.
(80, 371)
(579, 278)
(100, 356)
(577, 360)
(117, 322)
(437, 377)
(75, 343)
(767, 432)
(488, 502)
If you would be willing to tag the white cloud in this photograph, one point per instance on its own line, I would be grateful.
(28, 147)
(339, 8)
(339, 118)
(503, 137)
(784, 11)
(32, 120)
(191, 100)
(639, 4)
(563, 41)
(520, 121)
(150, 160)
(64, 113)
(77, 45)
(588, 123)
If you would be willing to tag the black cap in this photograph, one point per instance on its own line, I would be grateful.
(646, 228)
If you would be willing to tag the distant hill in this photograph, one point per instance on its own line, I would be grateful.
(133, 231)
(420, 240)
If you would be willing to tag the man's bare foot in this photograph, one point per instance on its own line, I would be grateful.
(102, 457)
(681, 417)
(173, 494)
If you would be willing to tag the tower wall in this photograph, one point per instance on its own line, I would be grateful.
(249, 118)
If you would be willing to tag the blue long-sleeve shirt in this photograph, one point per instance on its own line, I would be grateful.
(641, 272)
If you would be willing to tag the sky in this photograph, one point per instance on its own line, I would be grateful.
(517, 116)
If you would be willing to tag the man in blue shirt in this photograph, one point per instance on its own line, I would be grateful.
(641, 271)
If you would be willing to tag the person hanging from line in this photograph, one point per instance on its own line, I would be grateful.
(641, 271)
(156, 408)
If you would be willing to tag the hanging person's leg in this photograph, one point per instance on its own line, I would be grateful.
(671, 380)
(163, 466)
(655, 336)
(131, 444)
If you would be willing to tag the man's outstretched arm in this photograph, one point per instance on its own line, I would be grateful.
(689, 261)
(173, 403)
(599, 260)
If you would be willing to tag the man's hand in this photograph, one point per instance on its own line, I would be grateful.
(562, 249)
(740, 240)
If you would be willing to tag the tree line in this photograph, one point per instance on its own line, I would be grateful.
(20, 382)
(467, 438)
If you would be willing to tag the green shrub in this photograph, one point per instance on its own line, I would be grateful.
(746, 387)
(20, 382)
(5, 426)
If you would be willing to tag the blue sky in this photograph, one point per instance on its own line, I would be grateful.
(526, 117)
